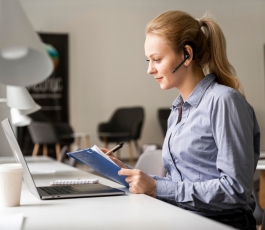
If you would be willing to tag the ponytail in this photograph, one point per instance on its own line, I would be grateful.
(180, 28)
(218, 63)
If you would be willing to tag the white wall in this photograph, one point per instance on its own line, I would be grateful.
(107, 62)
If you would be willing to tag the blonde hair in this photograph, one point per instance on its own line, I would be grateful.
(180, 28)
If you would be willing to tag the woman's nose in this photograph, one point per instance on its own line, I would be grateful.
(151, 69)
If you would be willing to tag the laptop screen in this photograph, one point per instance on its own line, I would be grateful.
(19, 156)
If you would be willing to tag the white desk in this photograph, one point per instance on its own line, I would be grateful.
(114, 212)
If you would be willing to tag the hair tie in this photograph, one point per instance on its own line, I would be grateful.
(199, 22)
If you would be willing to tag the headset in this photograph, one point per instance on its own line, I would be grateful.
(186, 54)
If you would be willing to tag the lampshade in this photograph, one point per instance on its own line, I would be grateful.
(19, 119)
(24, 60)
(18, 97)
(29, 111)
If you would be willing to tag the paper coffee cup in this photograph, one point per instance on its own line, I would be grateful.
(10, 184)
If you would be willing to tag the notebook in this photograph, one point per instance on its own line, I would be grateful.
(73, 182)
(97, 160)
(54, 192)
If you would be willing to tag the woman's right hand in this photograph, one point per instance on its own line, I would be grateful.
(112, 157)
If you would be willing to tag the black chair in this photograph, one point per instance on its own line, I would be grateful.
(45, 133)
(263, 222)
(65, 135)
(125, 125)
(258, 212)
(163, 115)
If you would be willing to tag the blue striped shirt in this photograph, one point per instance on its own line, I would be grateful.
(210, 155)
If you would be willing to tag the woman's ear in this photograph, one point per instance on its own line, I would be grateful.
(188, 53)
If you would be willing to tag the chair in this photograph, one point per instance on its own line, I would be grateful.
(258, 212)
(149, 147)
(125, 125)
(151, 162)
(263, 222)
(163, 115)
(44, 133)
(65, 135)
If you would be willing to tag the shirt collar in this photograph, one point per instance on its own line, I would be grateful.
(197, 94)
(177, 102)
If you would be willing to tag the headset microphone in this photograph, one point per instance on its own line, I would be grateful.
(185, 58)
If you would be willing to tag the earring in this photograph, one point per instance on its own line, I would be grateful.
(185, 63)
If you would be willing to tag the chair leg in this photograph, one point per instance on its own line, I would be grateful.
(78, 142)
(105, 142)
(35, 150)
(63, 152)
(45, 150)
(58, 151)
(87, 142)
(137, 147)
(262, 189)
(130, 153)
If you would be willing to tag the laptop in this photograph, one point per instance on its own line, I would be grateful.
(54, 192)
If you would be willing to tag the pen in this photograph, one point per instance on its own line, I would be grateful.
(117, 147)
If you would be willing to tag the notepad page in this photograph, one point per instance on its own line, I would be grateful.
(97, 149)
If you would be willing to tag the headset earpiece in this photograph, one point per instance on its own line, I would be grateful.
(186, 54)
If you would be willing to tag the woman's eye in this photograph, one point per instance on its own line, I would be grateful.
(155, 60)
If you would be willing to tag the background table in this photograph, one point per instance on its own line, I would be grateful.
(261, 167)
(130, 211)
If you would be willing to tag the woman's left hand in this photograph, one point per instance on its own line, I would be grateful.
(139, 182)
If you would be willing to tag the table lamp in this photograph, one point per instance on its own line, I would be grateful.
(21, 104)
(18, 119)
(18, 97)
(24, 60)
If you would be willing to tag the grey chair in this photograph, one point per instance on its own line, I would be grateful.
(47, 133)
(151, 162)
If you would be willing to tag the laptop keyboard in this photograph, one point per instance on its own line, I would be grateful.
(58, 190)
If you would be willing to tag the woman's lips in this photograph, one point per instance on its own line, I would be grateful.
(158, 79)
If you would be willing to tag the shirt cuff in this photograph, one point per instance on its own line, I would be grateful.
(166, 190)
(156, 177)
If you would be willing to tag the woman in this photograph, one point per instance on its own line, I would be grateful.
(211, 148)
